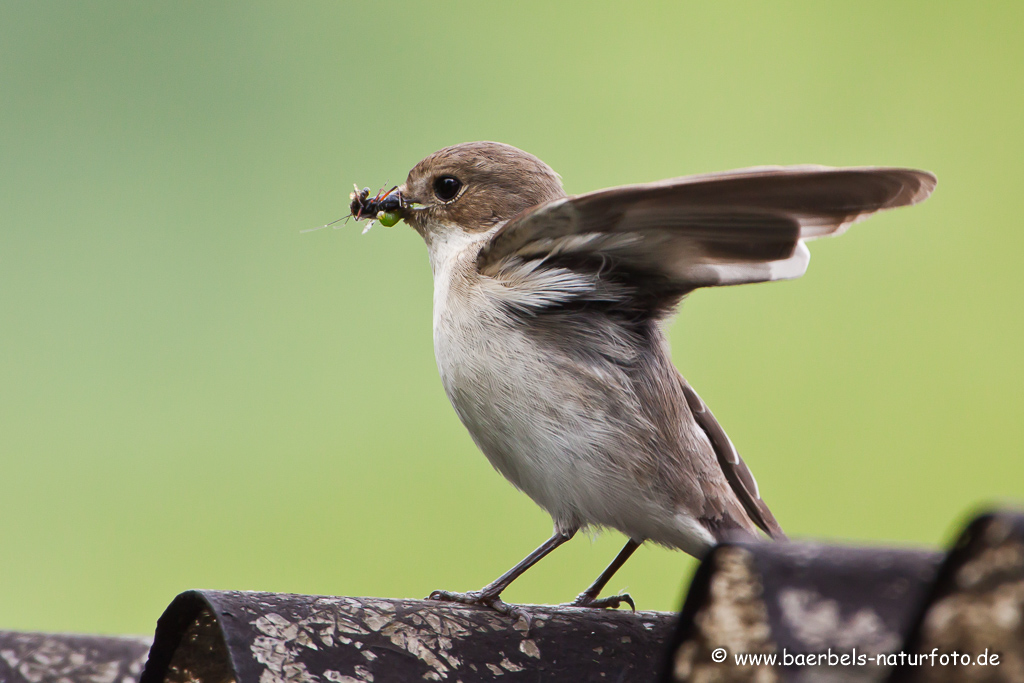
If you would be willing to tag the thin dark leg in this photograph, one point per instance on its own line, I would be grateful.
(502, 582)
(489, 594)
(588, 598)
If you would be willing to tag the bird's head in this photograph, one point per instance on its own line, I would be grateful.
(469, 188)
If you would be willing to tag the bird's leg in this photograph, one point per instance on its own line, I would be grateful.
(588, 598)
(488, 596)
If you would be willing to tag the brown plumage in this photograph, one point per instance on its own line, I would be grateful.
(548, 314)
(499, 181)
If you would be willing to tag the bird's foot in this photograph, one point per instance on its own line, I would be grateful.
(484, 599)
(611, 602)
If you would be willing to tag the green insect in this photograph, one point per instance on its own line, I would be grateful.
(388, 218)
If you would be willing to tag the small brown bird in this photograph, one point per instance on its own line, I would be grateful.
(549, 316)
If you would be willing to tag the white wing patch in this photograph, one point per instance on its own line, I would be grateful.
(792, 267)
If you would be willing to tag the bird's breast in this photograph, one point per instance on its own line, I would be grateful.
(561, 426)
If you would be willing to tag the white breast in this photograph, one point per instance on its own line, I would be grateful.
(494, 376)
(557, 430)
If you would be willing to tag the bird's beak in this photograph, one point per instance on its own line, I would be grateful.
(407, 204)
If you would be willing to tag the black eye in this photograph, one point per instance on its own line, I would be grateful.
(446, 187)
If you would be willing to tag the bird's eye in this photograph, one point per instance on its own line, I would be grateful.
(446, 187)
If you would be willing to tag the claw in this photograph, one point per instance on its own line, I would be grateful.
(470, 598)
(481, 599)
(611, 602)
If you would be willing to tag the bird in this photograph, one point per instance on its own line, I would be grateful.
(549, 331)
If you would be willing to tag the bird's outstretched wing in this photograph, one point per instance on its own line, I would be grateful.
(670, 237)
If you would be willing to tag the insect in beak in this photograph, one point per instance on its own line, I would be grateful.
(385, 207)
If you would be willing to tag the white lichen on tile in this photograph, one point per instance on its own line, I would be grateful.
(983, 607)
(377, 621)
(529, 648)
(428, 636)
(509, 665)
(818, 622)
(41, 658)
(279, 648)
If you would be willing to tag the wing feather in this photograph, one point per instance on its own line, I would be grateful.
(698, 231)
(735, 470)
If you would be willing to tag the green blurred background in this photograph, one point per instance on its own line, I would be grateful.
(194, 394)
